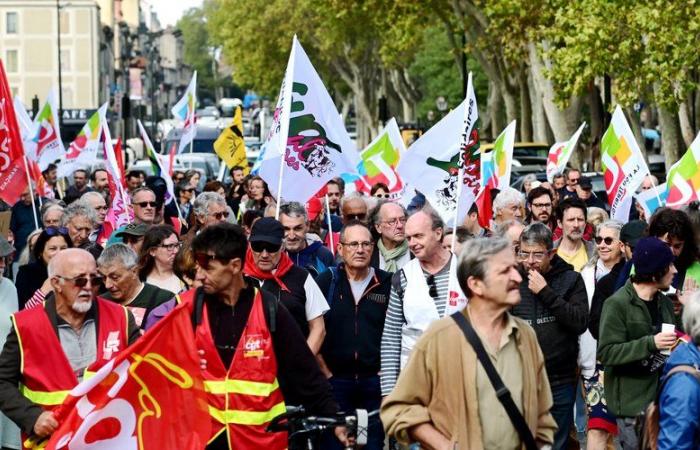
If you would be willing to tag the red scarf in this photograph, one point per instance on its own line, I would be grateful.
(252, 270)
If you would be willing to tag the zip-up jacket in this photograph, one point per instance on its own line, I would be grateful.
(354, 331)
(559, 314)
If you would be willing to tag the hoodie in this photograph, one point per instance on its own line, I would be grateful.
(559, 314)
(315, 258)
(679, 421)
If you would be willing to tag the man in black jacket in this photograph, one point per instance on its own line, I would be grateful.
(358, 295)
(555, 304)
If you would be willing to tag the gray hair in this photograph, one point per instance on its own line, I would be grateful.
(293, 209)
(118, 253)
(53, 207)
(691, 317)
(376, 211)
(86, 196)
(595, 213)
(611, 224)
(78, 209)
(203, 200)
(474, 258)
(435, 218)
(537, 234)
(353, 196)
(506, 197)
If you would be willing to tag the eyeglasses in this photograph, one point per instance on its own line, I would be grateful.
(56, 231)
(574, 180)
(147, 204)
(608, 240)
(362, 216)
(433, 287)
(171, 247)
(260, 246)
(203, 259)
(82, 281)
(354, 245)
(220, 215)
(536, 256)
(541, 205)
(395, 221)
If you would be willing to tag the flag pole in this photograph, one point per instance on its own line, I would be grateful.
(31, 193)
(460, 183)
(279, 186)
(191, 142)
(330, 228)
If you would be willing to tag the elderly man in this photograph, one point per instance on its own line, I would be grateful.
(209, 209)
(79, 187)
(51, 346)
(389, 221)
(353, 207)
(572, 248)
(509, 204)
(444, 398)
(311, 255)
(510, 230)
(79, 219)
(423, 291)
(52, 216)
(98, 203)
(118, 264)
(553, 302)
(270, 265)
(351, 358)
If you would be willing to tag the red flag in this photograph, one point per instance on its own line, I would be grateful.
(119, 155)
(151, 396)
(13, 175)
(484, 206)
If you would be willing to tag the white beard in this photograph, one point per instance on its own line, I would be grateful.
(81, 307)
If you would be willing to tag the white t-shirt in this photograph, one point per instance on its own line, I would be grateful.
(358, 287)
(316, 304)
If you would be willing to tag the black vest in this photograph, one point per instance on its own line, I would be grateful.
(295, 300)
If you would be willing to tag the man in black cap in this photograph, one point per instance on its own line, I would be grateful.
(272, 267)
(584, 190)
(132, 235)
(630, 234)
(631, 337)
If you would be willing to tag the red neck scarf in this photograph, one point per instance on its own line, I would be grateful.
(251, 269)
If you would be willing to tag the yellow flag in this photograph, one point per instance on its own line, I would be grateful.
(230, 146)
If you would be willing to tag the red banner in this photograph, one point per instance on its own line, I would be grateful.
(13, 175)
(151, 396)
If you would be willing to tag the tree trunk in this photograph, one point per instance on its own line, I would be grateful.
(495, 104)
(636, 126)
(595, 107)
(525, 108)
(539, 119)
(671, 132)
(511, 103)
(407, 92)
(684, 119)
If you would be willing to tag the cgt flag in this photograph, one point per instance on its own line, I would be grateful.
(46, 145)
(623, 165)
(184, 110)
(379, 160)
(230, 146)
(683, 184)
(82, 152)
(308, 143)
(150, 396)
(13, 173)
(496, 164)
(560, 153)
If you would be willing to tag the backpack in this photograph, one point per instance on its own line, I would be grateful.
(650, 422)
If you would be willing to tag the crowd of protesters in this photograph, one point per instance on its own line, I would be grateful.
(580, 318)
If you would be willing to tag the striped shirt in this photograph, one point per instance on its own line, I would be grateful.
(391, 338)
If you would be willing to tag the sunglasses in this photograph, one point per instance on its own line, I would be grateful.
(147, 204)
(56, 231)
(433, 287)
(187, 190)
(382, 195)
(356, 216)
(260, 246)
(203, 259)
(608, 240)
(82, 281)
(221, 215)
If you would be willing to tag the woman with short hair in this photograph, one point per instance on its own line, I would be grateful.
(160, 245)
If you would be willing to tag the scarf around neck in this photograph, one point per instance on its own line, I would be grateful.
(252, 270)
(391, 257)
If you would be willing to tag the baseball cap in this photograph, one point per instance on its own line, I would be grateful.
(651, 255)
(585, 183)
(268, 230)
(6, 248)
(133, 229)
(632, 232)
(313, 208)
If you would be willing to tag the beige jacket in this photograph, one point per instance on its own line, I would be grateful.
(438, 386)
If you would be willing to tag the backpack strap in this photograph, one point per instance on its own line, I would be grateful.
(332, 286)
(396, 282)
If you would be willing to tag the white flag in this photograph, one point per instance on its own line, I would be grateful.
(308, 143)
(82, 152)
(157, 164)
(560, 153)
(46, 146)
(184, 110)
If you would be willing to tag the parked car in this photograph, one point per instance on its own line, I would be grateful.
(657, 167)
(527, 153)
(203, 140)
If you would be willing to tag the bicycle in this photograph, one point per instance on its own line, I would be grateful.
(305, 431)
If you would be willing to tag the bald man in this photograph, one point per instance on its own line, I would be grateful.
(50, 347)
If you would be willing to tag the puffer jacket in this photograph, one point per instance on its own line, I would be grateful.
(679, 422)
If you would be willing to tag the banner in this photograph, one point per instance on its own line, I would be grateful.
(683, 180)
(652, 199)
(308, 143)
(560, 153)
(82, 152)
(230, 145)
(157, 164)
(13, 174)
(623, 165)
(119, 212)
(46, 144)
(378, 162)
(41, 187)
(184, 110)
(149, 397)
(496, 164)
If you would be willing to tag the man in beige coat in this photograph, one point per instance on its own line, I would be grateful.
(443, 398)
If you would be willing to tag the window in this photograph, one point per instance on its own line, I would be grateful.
(65, 60)
(11, 23)
(65, 22)
(11, 60)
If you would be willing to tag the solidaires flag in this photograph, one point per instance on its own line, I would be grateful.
(230, 145)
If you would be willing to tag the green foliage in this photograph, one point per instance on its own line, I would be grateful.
(197, 53)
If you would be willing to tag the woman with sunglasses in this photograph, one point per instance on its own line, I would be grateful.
(160, 245)
(609, 256)
(380, 190)
(33, 278)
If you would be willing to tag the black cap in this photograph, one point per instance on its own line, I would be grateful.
(267, 229)
(632, 232)
(585, 183)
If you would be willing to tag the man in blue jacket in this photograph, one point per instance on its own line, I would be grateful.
(305, 252)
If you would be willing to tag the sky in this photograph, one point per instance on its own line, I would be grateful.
(169, 11)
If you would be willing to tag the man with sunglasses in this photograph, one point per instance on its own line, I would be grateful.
(573, 176)
(305, 249)
(554, 303)
(268, 264)
(209, 209)
(424, 290)
(144, 205)
(389, 220)
(52, 346)
(353, 207)
(246, 335)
